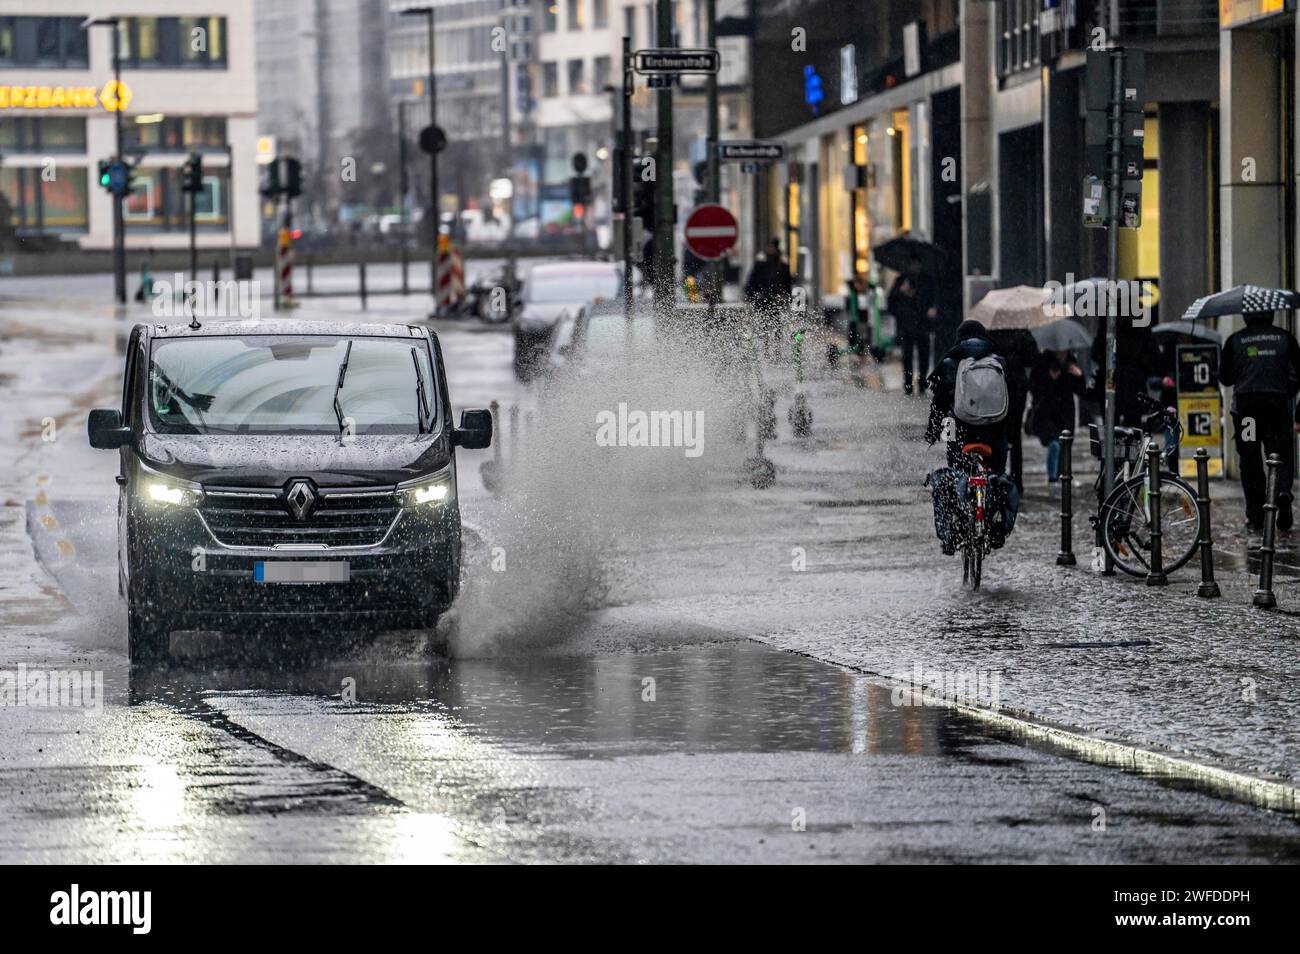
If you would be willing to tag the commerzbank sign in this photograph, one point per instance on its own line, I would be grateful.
(113, 97)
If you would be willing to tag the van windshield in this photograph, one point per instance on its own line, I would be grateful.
(285, 384)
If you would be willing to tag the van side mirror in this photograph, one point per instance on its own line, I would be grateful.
(475, 431)
(104, 426)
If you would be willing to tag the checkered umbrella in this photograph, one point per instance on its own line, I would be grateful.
(1242, 300)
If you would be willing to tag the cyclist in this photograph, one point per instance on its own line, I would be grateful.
(970, 371)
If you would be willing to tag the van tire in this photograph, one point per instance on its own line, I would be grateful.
(148, 637)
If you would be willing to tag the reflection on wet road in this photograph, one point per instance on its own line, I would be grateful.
(733, 752)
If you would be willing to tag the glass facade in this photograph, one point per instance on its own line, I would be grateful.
(43, 134)
(44, 42)
(173, 42)
(45, 199)
(175, 133)
(158, 204)
(803, 48)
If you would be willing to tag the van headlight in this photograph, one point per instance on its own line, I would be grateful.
(431, 491)
(168, 490)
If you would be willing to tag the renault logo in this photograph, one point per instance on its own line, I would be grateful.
(300, 498)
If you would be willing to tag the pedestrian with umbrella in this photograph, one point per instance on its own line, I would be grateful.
(1014, 316)
(913, 301)
(1261, 362)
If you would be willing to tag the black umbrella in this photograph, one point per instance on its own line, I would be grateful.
(898, 253)
(1242, 300)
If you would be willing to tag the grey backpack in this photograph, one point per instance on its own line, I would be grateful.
(981, 395)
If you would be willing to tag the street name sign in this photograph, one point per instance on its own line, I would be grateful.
(671, 60)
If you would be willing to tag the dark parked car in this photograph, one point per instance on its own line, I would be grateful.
(280, 472)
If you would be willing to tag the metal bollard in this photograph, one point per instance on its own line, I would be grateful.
(495, 408)
(362, 267)
(1066, 480)
(1208, 587)
(1156, 576)
(514, 431)
(1264, 597)
(216, 271)
(309, 263)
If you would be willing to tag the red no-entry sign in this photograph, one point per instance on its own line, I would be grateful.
(710, 231)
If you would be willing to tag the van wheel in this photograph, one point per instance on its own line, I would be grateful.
(148, 637)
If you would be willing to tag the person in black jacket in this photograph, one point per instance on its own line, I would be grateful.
(972, 342)
(767, 291)
(912, 303)
(1262, 364)
(1137, 361)
(1020, 349)
(1054, 381)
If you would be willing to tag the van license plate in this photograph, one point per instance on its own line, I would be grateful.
(301, 571)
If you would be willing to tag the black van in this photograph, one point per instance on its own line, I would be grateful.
(285, 472)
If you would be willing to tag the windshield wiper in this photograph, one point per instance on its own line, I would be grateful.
(343, 372)
(421, 396)
(199, 402)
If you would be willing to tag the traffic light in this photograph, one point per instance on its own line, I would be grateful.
(580, 190)
(192, 174)
(271, 185)
(115, 176)
(643, 200)
(292, 177)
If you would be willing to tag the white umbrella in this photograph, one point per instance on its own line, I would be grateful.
(1021, 306)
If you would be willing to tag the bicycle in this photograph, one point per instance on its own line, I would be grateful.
(976, 542)
(1125, 514)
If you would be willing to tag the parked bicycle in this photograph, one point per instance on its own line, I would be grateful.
(1125, 514)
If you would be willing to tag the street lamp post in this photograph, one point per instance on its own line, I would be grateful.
(427, 13)
(403, 185)
(119, 222)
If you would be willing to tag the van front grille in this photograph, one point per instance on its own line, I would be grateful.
(356, 517)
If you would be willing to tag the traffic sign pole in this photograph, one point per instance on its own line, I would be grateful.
(713, 289)
(625, 170)
(1112, 273)
(665, 267)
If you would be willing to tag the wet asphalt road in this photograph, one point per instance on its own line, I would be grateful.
(639, 737)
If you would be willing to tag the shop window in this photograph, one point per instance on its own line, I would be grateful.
(577, 83)
(550, 80)
(44, 134)
(159, 204)
(154, 133)
(36, 204)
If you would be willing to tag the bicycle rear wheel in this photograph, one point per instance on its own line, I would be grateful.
(1126, 525)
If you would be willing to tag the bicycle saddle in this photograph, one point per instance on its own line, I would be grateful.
(984, 450)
